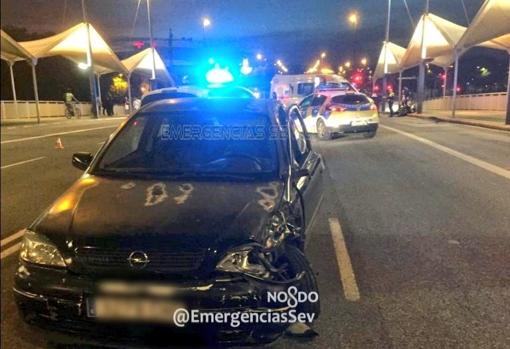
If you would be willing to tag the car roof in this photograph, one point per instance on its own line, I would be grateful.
(210, 104)
(190, 91)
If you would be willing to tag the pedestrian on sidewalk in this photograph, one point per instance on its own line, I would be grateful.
(391, 100)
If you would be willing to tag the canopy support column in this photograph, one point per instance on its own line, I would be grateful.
(98, 77)
(36, 89)
(130, 98)
(455, 81)
(445, 80)
(13, 86)
(100, 100)
(399, 87)
(507, 121)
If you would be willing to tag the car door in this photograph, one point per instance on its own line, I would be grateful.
(310, 187)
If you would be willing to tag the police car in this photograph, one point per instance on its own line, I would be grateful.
(327, 113)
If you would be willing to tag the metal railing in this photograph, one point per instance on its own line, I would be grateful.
(27, 109)
(481, 101)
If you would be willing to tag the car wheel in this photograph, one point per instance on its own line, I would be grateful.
(370, 134)
(296, 264)
(322, 130)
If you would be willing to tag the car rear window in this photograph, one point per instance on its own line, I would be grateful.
(350, 99)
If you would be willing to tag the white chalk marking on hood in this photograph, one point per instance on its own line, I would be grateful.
(127, 186)
(186, 189)
(269, 193)
(156, 194)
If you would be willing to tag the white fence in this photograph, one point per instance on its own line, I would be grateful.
(483, 101)
(27, 109)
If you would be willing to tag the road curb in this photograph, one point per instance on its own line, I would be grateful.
(463, 122)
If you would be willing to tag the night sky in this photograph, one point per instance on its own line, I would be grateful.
(320, 21)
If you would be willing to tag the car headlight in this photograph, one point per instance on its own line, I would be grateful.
(241, 260)
(38, 249)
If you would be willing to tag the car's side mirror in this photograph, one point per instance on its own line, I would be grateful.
(302, 172)
(82, 160)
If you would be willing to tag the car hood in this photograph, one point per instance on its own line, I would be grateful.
(134, 213)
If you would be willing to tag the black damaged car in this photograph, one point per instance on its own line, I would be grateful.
(194, 203)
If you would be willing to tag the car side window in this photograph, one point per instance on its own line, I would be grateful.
(305, 103)
(317, 101)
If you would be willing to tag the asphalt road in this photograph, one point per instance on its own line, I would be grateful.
(421, 212)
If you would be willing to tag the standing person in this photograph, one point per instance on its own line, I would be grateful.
(391, 100)
(69, 100)
(110, 104)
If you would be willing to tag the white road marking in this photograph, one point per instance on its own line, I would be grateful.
(23, 162)
(500, 171)
(10, 250)
(13, 237)
(347, 276)
(55, 134)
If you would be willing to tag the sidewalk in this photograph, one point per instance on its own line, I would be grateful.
(51, 120)
(481, 118)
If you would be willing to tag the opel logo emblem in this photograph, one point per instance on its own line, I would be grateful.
(138, 259)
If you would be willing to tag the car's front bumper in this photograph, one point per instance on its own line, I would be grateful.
(57, 300)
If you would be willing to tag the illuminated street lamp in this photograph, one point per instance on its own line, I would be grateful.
(347, 64)
(364, 61)
(259, 56)
(323, 55)
(206, 22)
(353, 19)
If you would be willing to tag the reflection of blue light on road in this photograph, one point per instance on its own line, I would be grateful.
(218, 75)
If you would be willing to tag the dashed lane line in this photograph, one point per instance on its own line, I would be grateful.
(7, 252)
(55, 134)
(23, 162)
(350, 286)
(12, 237)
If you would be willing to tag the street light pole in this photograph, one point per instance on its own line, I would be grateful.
(507, 121)
(421, 75)
(386, 40)
(151, 38)
(90, 61)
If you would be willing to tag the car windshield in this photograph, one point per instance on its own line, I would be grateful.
(193, 144)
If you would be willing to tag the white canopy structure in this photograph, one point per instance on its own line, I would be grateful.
(492, 21)
(73, 44)
(12, 52)
(490, 28)
(391, 56)
(143, 62)
(433, 38)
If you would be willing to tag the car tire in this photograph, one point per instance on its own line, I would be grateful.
(322, 130)
(370, 134)
(308, 283)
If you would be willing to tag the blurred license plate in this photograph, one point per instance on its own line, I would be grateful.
(132, 309)
(359, 123)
